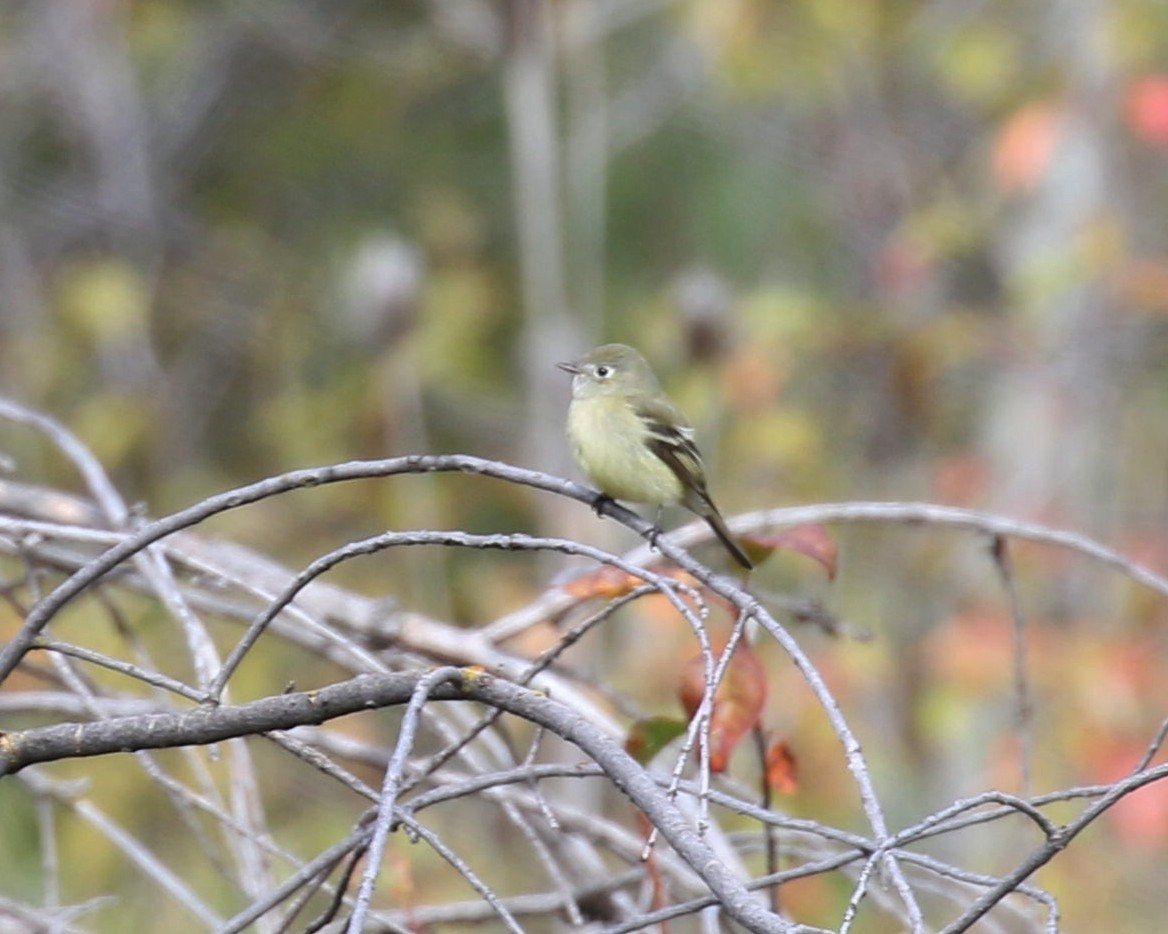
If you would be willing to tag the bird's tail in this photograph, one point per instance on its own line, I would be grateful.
(718, 524)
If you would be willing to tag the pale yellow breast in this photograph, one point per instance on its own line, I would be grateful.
(607, 440)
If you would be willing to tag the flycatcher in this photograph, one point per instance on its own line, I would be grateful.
(633, 442)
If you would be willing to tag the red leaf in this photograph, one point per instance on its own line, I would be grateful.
(1147, 109)
(782, 769)
(606, 581)
(609, 582)
(738, 701)
(1025, 146)
(652, 868)
(1140, 817)
(811, 540)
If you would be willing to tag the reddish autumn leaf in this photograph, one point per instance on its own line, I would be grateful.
(660, 898)
(1025, 146)
(738, 701)
(648, 737)
(606, 581)
(811, 540)
(1147, 109)
(782, 769)
(1140, 818)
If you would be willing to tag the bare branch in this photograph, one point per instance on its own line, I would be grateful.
(154, 731)
(152, 532)
(387, 801)
(224, 579)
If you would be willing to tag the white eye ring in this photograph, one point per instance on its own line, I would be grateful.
(602, 371)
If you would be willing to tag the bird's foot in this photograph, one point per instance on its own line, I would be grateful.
(600, 503)
(655, 532)
(652, 535)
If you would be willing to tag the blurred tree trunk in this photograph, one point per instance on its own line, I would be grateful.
(529, 95)
(586, 162)
(543, 180)
(1050, 431)
(92, 77)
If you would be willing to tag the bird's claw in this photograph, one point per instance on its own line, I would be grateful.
(652, 535)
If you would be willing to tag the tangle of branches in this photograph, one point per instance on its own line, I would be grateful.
(468, 737)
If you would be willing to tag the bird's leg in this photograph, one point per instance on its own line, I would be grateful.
(656, 531)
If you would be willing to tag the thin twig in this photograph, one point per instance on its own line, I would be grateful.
(387, 802)
(1023, 705)
(152, 532)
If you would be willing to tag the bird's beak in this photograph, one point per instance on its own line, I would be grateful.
(572, 368)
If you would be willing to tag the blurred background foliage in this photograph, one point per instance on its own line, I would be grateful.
(909, 250)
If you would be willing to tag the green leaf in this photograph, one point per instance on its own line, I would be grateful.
(648, 737)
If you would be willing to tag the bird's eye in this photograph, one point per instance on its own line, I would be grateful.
(603, 371)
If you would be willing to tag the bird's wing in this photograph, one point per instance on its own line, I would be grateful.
(672, 439)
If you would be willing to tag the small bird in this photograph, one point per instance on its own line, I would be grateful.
(633, 442)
